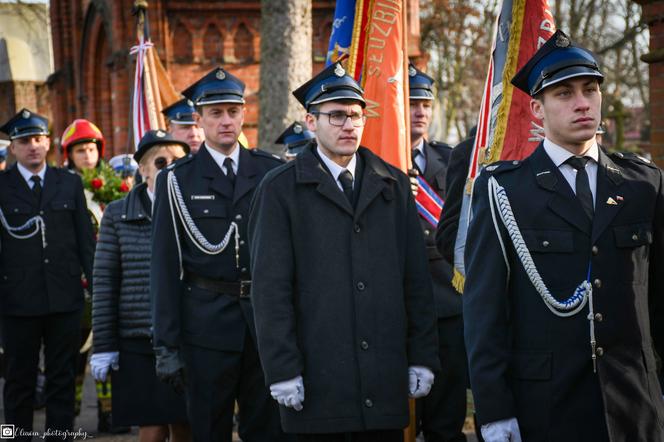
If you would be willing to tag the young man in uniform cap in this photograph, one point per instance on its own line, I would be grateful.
(181, 124)
(295, 138)
(565, 268)
(204, 333)
(442, 413)
(46, 243)
(341, 290)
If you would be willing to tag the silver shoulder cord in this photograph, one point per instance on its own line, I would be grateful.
(177, 204)
(582, 295)
(36, 221)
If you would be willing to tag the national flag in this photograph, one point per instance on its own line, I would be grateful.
(506, 129)
(342, 31)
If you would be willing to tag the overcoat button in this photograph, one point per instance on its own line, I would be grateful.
(635, 237)
(364, 345)
(545, 243)
(368, 403)
(206, 211)
(599, 351)
(238, 217)
(357, 228)
(360, 286)
(595, 250)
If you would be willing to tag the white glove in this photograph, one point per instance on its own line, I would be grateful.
(289, 393)
(101, 362)
(414, 185)
(506, 430)
(420, 380)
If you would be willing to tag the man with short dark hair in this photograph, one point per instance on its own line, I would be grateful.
(204, 333)
(46, 243)
(565, 274)
(341, 289)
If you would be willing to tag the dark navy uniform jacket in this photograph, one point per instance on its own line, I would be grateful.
(446, 299)
(183, 312)
(35, 280)
(528, 363)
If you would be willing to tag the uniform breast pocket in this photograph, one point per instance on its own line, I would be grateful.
(17, 213)
(63, 205)
(633, 247)
(548, 241)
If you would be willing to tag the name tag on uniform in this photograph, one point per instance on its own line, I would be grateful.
(202, 197)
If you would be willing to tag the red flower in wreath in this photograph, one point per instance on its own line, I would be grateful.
(124, 187)
(96, 183)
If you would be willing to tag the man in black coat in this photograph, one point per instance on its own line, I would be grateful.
(564, 272)
(46, 243)
(442, 413)
(204, 334)
(341, 288)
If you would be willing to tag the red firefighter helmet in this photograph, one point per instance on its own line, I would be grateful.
(82, 131)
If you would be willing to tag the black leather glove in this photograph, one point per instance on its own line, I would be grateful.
(170, 368)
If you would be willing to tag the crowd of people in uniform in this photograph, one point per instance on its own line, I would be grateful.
(307, 300)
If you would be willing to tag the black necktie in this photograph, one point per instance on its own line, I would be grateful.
(37, 187)
(346, 180)
(414, 155)
(228, 165)
(583, 192)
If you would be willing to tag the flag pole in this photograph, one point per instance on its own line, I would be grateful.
(410, 433)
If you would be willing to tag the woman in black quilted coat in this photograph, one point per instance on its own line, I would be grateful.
(121, 313)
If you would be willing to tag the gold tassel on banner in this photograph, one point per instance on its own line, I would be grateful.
(458, 281)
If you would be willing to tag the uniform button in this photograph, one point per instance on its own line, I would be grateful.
(65, 206)
(599, 351)
(243, 269)
(46, 261)
(140, 215)
(597, 283)
(241, 242)
(4, 277)
(427, 232)
(368, 403)
(360, 286)
(364, 345)
(206, 211)
(595, 250)
(635, 237)
(545, 243)
(515, 162)
(357, 228)
(15, 210)
(238, 217)
(41, 212)
(124, 216)
(599, 317)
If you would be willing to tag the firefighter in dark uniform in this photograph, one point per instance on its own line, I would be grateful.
(565, 274)
(442, 413)
(204, 334)
(46, 243)
(181, 124)
(341, 290)
(294, 138)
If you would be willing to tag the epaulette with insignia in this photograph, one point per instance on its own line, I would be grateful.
(263, 154)
(440, 145)
(502, 166)
(179, 162)
(633, 157)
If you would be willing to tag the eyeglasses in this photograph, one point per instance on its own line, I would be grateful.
(160, 162)
(339, 118)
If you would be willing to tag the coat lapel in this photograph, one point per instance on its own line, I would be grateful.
(210, 170)
(435, 166)
(51, 184)
(563, 202)
(609, 181)
(374, 180)
(20, 187)
(310, 170)
(245, 180)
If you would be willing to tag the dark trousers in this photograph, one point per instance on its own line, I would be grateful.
(443, 412)
(23, 337)
(215, 380)
(365, 436)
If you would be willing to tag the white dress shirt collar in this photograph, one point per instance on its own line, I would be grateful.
(26, 174)
(559, 154)
(220, 157)
(336, 169)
